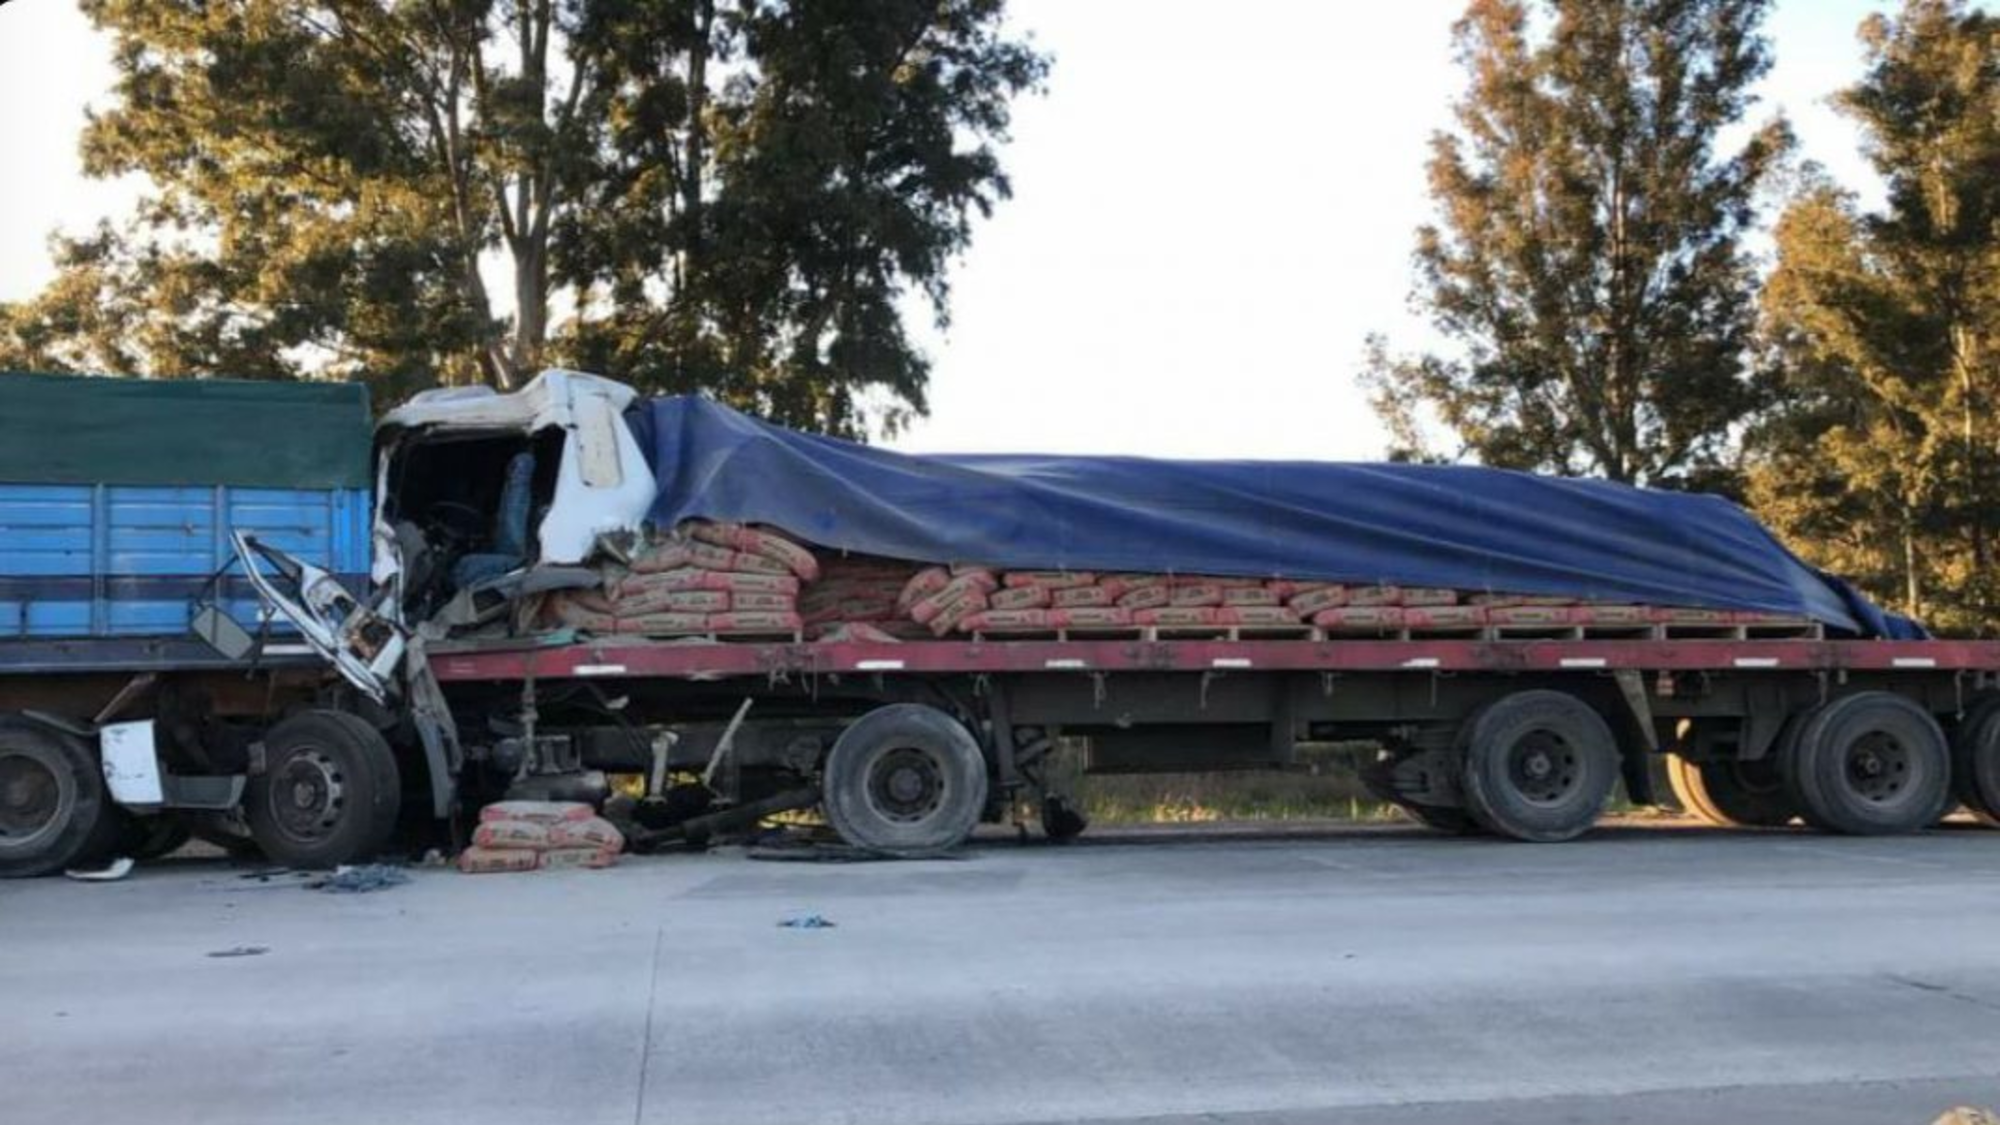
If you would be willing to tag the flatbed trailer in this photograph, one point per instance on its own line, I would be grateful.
(1724, 712)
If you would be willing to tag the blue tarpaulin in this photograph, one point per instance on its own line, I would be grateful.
(1461, 527)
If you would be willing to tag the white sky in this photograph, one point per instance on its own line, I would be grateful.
(1210, 213)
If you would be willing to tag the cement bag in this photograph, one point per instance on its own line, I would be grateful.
(1006, 619)
(1418, 595)
(1444, 616)
(753, 623)
(921, 585)
(1023, 597)
(488, 861)
(1090, 617)
(500, 835)
(1195, 595)
(1360, 618)
(1151, 596)
(696, 578)
(663, 624)
(1084, 597)
(755, 602)
(1313, 601)
(1175, 615)
(675, 601)
(661, 556)
(1374, 595)
(952, 615)
(1052, 579)
(708, 556)
(1250, 596)
(540, 812)
(596, 832)
(1255, 615)
(749, 540)
(560, 859)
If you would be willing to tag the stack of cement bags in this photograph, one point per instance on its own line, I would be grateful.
(540, 835)
(703, 579)
(717, 579)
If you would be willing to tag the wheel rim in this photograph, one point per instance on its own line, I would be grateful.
(34, 802)
(906, 785)
(1544, 768)
(1877, 768)
(308, 795)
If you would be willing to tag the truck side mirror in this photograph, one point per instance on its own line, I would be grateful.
(222, 633)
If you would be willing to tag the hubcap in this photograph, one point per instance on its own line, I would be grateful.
(1878, 768)
(1544, 769)
(308, 795)
(31, 800)
(905, 785)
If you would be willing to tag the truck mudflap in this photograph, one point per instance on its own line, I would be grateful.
(364, 646)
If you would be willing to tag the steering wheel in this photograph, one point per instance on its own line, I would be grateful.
(459, 524)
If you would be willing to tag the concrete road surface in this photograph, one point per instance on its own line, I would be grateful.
(1641, 975)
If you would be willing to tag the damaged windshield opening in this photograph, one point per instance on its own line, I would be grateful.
(464, 509)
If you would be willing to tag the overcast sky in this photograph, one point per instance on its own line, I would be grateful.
(1210, 214)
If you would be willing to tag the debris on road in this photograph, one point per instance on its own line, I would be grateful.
(806, 922)
(361, 878)
(111, 872)
(241, 951)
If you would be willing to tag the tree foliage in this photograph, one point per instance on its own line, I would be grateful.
(729, 194)
(1882, 332)
(1587, 264)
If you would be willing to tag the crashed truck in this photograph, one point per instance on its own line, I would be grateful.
(248, 612)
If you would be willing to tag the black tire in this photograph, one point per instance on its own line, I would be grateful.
(1869, 764)
(54, 809)
(151, 837)
(1975, 760)
(1730, 793)
(1539, 766)
(904, 778)
(328, 793)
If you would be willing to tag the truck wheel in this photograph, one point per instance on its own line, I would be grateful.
(1539, 766)
(1975, 760)
(1869, 764)
(904, 778)
(54, 810)
(328, 793)
(1729, 793)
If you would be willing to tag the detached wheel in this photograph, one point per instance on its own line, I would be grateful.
(904, 778)
(1539, 766)
(1729, 793)
(1870, 764)
(328, 795)
(54, 809)
(1975, 760)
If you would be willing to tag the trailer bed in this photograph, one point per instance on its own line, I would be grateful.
(515, 660)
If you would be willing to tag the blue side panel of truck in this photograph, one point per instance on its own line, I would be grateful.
(109, 561)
